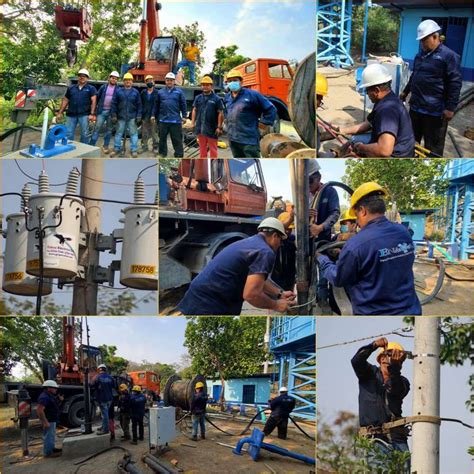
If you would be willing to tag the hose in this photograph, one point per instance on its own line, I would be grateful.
(312, 438)
(82, 461)
(249, 424)
(17, 129)
(439, 283)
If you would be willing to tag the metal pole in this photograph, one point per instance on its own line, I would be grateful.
(266, 340)
(302, 233)
(87, 393)
(84, 300)
(364, 36)
(426, 383)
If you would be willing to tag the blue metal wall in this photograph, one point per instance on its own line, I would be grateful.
(234, 389)
(417, 223)
(408, 46)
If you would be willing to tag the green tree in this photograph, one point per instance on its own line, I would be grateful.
(382, 32)
(412, 184)
(224, 347)
(227, 58)
(164, 371)
(116, 365)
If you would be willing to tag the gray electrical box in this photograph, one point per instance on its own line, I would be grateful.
(162, 425)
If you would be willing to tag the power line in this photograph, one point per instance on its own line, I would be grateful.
(114, 183)
(35, 180)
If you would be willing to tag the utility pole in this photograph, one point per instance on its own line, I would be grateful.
(84, 299)
(426, 388)
(267, 344)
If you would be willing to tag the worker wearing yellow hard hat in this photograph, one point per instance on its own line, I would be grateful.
(137, 413)
(207, 118)
(347, 226)
(124, 410)
(198, 410)
(382, 390)
(375, 266)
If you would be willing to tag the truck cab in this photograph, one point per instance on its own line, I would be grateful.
(148, 380)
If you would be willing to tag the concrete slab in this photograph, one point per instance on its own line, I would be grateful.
(81, 151)
(84, 445)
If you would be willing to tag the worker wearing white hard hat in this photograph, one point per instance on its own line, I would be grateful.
(103, 387)
(435, 88)
(48, 411)
(170, 114)
(281, 407)
(105, 97)
(80, 101)
(391, 133)
(240, 272)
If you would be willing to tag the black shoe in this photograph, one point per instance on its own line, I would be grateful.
(140, 439)
(57, 450)
(203, 436)
(133, 442)
(195, 438)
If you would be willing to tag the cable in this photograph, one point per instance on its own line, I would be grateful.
(35, 181)
(115, 183)
(301, 429)
(147, 168)
(227, 433)
(39, 295)
(439, 283)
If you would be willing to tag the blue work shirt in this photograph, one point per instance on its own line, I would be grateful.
(101, 97)
(379, 400)
(219, 288)
(376, 269)
(51, 406)
(389, 115)
(103, 385)
(198, 403)
(207, 112)
(127, 104)
(149, 103)
(282, 405)
(80, 100)
(169, 104)
(242, 115)
(328, 212)
(137, 405)
(436, 80)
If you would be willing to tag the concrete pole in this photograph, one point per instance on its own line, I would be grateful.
(426, 388)
(84, 300)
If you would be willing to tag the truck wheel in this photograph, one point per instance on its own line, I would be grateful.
(76, 414)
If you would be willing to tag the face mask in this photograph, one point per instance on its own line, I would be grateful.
(344, 228)
(234, 86)
(150, 84)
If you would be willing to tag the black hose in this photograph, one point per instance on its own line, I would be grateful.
(17, 129)
(312, 438)
(82, 461)
(249, 424)
(39, 294)
(439, 283)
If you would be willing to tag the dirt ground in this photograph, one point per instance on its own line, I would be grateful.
(203, 456)
(344, 106)
(30, 137)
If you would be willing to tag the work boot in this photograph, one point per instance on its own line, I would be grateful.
(133, 442)
(195, 438)
(53, 455)
(105, 150)
(155, 151)
(134, 154)
(101, 433)
(203, 436)
(57, 450)
(112, 437)
(140, 439)
(115, 153)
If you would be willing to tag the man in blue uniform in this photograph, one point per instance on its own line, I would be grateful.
(170, 112)
(149, 96)
(243, 109)
(48, 413)
(435, 87)
(389, 122)
(137, 413)
(376, 265)
(281, 407)
(198, 411)
(80, 100)
(240, 272)
(103, 386)
(381, 393)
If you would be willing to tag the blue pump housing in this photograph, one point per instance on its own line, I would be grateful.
(56, 143)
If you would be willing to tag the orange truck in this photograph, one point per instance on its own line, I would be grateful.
(149, 381)
(272, 78)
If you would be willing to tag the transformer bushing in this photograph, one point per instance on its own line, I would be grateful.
(179, 393)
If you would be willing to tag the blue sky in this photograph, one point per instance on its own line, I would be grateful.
(283, 29)
(338, 390)
(119, 171)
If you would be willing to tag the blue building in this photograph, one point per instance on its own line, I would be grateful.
(293, 344)
(416, 221)
(252, 390)
(454, 16)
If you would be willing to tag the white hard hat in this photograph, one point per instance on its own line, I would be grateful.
(273, 223)
(374, 75)
(115, 74)
(102, 366)
(84, 71)
(313, 167)
(283, 389)
(170, 75)
(426, 28)
(50, 383)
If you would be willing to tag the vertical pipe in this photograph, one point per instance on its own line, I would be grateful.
(44, 130)
(302, 233)
(266, 341)
(364, 37)
(426, 383)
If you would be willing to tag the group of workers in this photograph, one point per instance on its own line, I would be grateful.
(434, 88)
(375, 265)
(163, 112)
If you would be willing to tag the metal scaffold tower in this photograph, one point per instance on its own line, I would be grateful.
(460, 206)
(334, 24)
(293, 344)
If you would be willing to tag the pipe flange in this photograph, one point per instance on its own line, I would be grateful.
(169, 383)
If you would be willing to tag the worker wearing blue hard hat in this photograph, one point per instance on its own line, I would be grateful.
(435, 87)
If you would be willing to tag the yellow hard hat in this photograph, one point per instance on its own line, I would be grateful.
(234, 73)
(390, 346)
(362, 191)
(123, 386)
(199, 385)
(127, 76)
(136, 388)
(347, 216)
(283, 217)
(147, 77)
(207, 80)
(321, 84)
